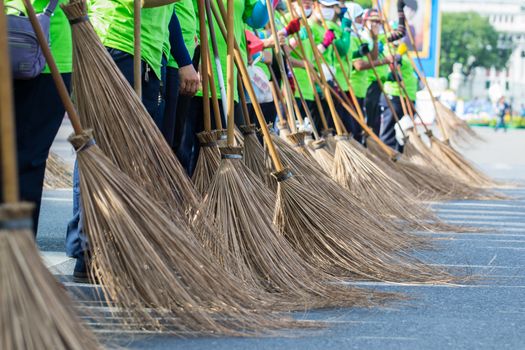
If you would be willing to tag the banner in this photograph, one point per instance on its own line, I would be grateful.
(424, 19)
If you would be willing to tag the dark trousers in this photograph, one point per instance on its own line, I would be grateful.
(191, 124)
(351, 125)
(150, 83)
(387, 132)
(171, 98)
(268, 110)
(38, 115)
(357, 130)
(373, 111)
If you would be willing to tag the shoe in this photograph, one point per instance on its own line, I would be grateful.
(81, 274)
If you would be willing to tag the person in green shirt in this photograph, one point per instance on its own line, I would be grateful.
(38, 108)
(401, 71)
(251, 12)
(113, 22)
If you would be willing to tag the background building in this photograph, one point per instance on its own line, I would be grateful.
(508, 18)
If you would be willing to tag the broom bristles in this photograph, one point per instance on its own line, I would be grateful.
(324, 234)
(310, 174)
(456, 128)
(145, 260)
(58, 174)
(207, 162)
(380, 192)
(255, 156)
(322, 155)
(248, 246)
(36, 311)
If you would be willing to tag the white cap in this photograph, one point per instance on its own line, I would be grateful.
(329, 2)
(354, 11)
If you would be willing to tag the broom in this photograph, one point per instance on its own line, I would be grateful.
(36, 311)
(246, 243)
(122, 125)
(209, 156)
(321, 230)
(173, 285)
(58, 174)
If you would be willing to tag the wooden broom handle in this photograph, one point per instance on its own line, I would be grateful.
(244, 104)
(57, 78)
(328, 96)
(288, 96)
(204, 66)
(7, 124)
(309, 73)
(249, 88)
(137, 66)
(230, 36)
(213, 91)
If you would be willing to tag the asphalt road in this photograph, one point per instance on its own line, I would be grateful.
(486, 314)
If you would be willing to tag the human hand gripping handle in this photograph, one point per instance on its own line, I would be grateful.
(328, 39)
(293, 27)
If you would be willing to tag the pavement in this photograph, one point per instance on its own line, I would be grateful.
(486, 314)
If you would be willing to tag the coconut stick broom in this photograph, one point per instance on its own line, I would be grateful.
(209, 156)
(108, 104)
(35, 311)
(321, 230)
(176, 288)
(246, 242)
(58, 174)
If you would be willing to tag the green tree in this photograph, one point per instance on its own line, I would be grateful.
(471, 40)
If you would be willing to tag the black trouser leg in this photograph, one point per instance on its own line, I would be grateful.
(373, 111)
(387, 132)
(39, 113)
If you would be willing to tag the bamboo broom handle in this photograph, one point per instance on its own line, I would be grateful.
(280, 63)
(280, 97)
(376, 75)
(204, 66)
(309, 73)
(137, 66)
(303, 101)
(213, 90)
(276, 102)
(7, 126)
(218, 65)
(423, 78)
(346, 77)
(405, 100)
(57, 78)
(229, 73)
(247, 83)
(328, 96)
(244, 104)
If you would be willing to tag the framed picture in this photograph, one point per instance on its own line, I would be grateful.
(419, 14)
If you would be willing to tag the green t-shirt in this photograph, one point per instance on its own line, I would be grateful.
(358, 79)
(243, 10)
(331, 57)
(113, 22)
(383, 70)
(409, 79)
(301, 74)
(188, 23)
(59, 33)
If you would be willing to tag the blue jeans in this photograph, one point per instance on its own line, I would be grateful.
(38, 115)
(76, 240)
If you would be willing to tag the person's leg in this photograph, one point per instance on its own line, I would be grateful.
(269, 112)
(387, 132)
(187, 125)
(373, 111)
(39, 113)
(150, 82)
(171, 88)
